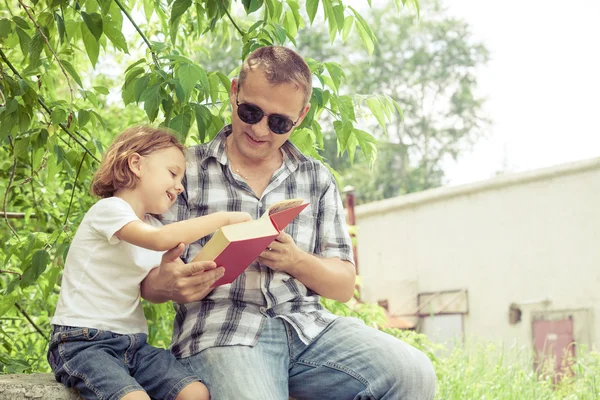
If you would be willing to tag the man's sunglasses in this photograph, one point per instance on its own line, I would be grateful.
(252, 114)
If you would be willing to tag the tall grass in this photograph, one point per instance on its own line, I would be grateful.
(486, 371)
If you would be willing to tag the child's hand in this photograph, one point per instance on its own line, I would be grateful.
(237, 217)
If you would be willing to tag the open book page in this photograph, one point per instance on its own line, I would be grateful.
(282, 206)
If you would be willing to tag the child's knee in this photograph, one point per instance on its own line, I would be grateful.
(194, 391)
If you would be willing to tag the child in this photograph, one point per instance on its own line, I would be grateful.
(98, 345)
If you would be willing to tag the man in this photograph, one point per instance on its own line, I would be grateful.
(266, 336)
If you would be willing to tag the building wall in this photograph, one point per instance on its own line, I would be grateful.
(514, 239)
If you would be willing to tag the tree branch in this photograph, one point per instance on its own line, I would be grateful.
(10, 181)
(241, 32)
(72, 195)
(37, 328)
(34, 173)
(62, 68)
(5, 271)
(45, 107)
(137, 28)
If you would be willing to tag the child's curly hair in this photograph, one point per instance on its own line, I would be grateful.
(114, 173)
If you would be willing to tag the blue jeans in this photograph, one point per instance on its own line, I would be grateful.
(106, 365)
(347, 361)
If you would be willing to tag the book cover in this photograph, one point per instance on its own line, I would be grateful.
(236, 246)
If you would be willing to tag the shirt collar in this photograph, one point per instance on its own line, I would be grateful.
(292, 156)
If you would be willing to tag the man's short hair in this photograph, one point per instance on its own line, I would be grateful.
(114, 173)
(280, 65)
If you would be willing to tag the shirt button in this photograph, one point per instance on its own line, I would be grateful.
(262, 309)
(260, 203)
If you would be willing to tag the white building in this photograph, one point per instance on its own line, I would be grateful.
(513, 259)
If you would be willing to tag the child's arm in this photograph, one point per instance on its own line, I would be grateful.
(166, 237)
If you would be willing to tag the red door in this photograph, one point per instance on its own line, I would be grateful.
(554, 346)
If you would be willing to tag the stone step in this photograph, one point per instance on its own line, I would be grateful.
(34, 387)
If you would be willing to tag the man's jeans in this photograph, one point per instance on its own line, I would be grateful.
(347, 361)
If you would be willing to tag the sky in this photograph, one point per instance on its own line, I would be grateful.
(542, 84)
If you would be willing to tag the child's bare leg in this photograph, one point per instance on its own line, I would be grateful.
(194, 391)
(137, 395)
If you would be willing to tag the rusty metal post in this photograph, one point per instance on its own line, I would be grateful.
(351, 220)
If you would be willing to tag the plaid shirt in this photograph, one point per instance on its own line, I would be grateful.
(234, 314)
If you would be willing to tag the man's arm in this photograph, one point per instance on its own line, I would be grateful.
(166, 237)
(332, 278)
(329, 273)
(179, 282)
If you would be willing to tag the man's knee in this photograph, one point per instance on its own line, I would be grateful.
(416, 377)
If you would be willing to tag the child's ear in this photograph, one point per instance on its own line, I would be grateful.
(135, 164)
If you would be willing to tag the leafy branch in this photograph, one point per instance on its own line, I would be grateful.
(72, 195)
(10, 181)
(26, 315)
(48, 110)
(241, 32)
(137, 28)
(62, 68)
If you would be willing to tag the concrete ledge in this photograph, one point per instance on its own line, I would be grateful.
(34, 387)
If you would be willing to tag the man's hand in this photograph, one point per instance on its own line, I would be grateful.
(179, 282)
(282, 254)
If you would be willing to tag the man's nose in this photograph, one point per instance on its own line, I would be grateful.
(261, 128)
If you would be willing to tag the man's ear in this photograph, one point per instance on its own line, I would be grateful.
(303, 113)
(233, 90)
(135, 164)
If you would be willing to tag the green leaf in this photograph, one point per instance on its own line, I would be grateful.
(252, 5)
(93, 22)
(214, 88)
(188, 75)
(91, 44)
(343, 131)
(140, 86)
(60, 24)
(367, 143)
(39, 262)
(58, 115)
(289, 24)
(101, 90)
(83, 117)
(181, 124)
(311, 9)
(336, 73)
(67, 65)
(24, 40)
(366, 34)
(151, 98)
(338, 12)
(135, 64)
(203, 120)
(179, 7)
(347, 108)
(377, 109)
(35, 50)
(348, 22)
(114, 34)
(5, 27)
(21, 22)
(52, 278)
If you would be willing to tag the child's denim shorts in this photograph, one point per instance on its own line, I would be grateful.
(105, 365)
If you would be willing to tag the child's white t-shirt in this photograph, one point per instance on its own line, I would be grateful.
(101, 281)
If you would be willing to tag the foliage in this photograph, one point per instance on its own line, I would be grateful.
(428, 68)
(74, 73)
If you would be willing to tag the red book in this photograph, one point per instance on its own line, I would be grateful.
(236, 246)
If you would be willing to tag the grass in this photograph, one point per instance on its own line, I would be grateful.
(486, 371)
